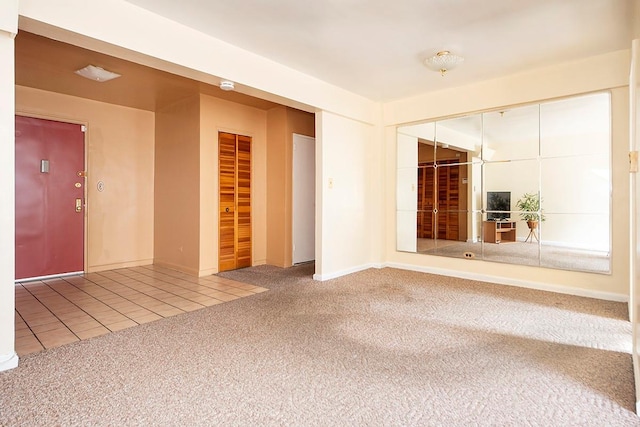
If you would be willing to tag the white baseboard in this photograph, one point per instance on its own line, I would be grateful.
(550, 287)
(8, 361)
(608, 296)
(329, 276)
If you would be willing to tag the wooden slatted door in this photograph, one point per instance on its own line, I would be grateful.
(448, 186)
(425, 201)
(234, 159)
(243, 202)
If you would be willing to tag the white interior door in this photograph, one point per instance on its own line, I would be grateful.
(304, 198)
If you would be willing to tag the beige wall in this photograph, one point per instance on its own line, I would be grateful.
(282, 123)
(278, 178)
(605, 72)
(218, 115)
(120, 149)
(636, 19)
(177, 184)
(345, 195)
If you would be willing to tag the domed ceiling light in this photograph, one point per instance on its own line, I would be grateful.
(443, 61)
(227, 85)
(97, 74)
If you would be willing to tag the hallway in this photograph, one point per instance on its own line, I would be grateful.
(53, 312)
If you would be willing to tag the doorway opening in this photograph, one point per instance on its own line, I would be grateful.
(304, 199)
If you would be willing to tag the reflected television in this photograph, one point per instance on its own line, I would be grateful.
(498, 201)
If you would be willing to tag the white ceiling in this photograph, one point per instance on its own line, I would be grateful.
(376, 48)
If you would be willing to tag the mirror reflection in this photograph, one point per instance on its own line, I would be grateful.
(527, 185)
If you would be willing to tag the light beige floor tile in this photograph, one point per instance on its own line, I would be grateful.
(225, 297)
(48, 327)
(79, 327)
(94, 332)
(27, 344)
(119, 299)
(189, 306)
(23, 333)
(168, 312)
(68, 308)
(79, 319)
(244, 287)
(239, 292)
(117, 326)
(200, 299)
(110, 318)
(134, 309)
(210, 301)
(56, 338)
(41, 320)
(146, 318)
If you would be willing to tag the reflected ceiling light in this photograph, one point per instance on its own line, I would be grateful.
(443, 61)
(227, 85)
(96, 74)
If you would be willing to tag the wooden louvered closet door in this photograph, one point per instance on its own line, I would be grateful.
(448, 202)
(425, 201)
(440, 184)
(235, 201)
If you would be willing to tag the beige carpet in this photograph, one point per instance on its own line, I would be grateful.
(380, 347)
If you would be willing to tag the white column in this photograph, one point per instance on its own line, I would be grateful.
(8, 30)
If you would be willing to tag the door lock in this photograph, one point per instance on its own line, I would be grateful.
(78, 205)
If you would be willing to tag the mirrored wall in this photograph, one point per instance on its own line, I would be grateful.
(529, 185)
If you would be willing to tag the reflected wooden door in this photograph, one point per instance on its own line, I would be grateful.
(425, 201)
(448, 202)
(234, 157)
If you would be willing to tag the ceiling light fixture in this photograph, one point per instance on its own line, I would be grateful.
(97, 74)
(443, 61)
(227, 85)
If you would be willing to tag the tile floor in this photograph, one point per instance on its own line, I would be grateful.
(54, 312)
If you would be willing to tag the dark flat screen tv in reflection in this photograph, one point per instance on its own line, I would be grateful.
(498, 201)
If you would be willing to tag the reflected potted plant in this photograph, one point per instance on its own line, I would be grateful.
(529, 205)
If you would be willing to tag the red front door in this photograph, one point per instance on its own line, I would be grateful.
(49, 198)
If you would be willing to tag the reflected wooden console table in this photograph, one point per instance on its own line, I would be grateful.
(499, 231)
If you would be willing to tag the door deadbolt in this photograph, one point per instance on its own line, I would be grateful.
(226, 210)
(78, 205)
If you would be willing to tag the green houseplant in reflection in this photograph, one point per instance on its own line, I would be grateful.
(529, 205)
